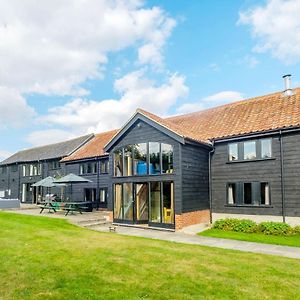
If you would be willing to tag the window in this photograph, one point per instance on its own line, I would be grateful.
(250, 150)
(168, 201)
(128, 201)
(88, 168)
(248, 193)
(104, 166)
(118, 207)
(3, 170)
(154, 154)
(89, 195)
(54, 165)
(103, 195)
(167, 158)
(231, 193)
(32, 169)
(233, 152)
(140, 159)
(266, 148)
(14, 168)
(127, 170)
(155, 202)
(118, 162)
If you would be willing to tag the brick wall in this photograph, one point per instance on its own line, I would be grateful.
(192, 218)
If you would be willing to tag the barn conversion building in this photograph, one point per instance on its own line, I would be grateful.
(240, 160)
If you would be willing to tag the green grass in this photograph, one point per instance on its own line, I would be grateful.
(293, 240)
(45, 258)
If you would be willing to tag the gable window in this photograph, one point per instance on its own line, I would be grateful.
(233, 151)
(154, 154)
(248, 193)
(151, 158)
(167, 158)
(88, 168)
(250, 150)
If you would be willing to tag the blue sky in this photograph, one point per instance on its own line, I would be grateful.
(79, 67)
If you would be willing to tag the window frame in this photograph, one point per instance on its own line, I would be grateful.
(241, 150)
(83, 168)
(255, 191)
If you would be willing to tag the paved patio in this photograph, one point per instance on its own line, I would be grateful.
(97, 220)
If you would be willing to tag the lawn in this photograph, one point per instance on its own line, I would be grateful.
(293, 240)
(45, 258)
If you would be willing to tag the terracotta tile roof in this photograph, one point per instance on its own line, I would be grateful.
(94, 148)
(258, 114)
(269, 112)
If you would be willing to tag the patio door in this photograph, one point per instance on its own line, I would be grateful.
(141, 202)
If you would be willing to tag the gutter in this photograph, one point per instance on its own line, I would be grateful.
(282, 176)
(210, 180)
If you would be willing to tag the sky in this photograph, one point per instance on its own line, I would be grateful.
(68, 68)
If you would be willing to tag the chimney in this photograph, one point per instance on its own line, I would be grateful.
(287, 85)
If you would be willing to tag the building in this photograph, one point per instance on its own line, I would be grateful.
(26, 167)
(235, 160)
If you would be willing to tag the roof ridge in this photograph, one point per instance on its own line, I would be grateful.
(247, 100)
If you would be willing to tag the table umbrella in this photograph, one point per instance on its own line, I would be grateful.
(70, 179)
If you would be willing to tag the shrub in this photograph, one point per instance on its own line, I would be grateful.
(238, 225)
(296, 229)
(275, 228)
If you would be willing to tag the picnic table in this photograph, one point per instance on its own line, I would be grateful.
(48, 205)
(74, 207)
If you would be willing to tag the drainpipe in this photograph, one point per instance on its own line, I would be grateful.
(282, 177)
(210, 181)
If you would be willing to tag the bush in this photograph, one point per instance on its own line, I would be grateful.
(275, 228)
(296, 229)
(235, 225)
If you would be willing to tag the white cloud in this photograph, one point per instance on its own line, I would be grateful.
(14, 110)
(210, 101)
(4, 154)
(83, 116)
(276, 25)
(49, 136)
(53, 47)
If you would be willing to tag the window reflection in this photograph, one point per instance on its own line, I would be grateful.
(154, 153)
(167, 158)
(140, 159)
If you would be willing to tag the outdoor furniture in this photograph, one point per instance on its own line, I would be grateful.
(48, 205)
(73, 207)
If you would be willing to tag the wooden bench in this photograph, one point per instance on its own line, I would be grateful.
(72, 208)
(47, 206)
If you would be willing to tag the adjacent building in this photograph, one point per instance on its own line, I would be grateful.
(236, 160)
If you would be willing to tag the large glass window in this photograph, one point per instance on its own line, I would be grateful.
(167, 158)
(140, 159)
(154, 154)
(168, 202)
(247, 193)
(128, 201)
(250, 150)
(90, 195)
(265, 193)
(266, 148)
(233, 151)
(127, 161)
(118, 163)
(155, 202)
(32, 169)
(118, 207)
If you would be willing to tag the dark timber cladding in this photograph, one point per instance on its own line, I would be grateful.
(141, 132)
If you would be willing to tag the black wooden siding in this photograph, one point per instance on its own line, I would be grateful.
(224, 172)
(195, 187)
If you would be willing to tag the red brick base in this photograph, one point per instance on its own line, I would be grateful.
(191, 218)
(110, 215)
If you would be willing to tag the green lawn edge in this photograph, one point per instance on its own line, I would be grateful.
(292, 241)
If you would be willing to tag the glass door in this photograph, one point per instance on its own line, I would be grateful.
(141, 202)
